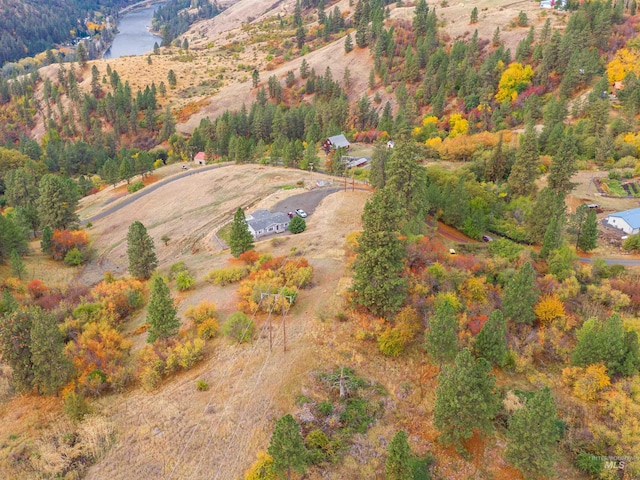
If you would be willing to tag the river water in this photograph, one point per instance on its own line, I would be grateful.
(133, 37)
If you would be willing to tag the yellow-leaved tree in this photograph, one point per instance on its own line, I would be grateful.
(549, 308)
(457, 125)
(624, 61)
(513, 80)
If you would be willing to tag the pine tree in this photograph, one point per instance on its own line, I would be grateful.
(563, 166)
(82, 55)
(16, 264)
(171, 79)
(465, 399)
(588, 239)
(520, 296)
(379, 159)
(533, 435)
(51, 367)
(125, 172)
(378, 281)
(240, 239)
(491, 342)
(348, 43)
(255, 78)
(287, 447)
(408, 178)
(57, 202)
(45, 242)
(474, 15)
(161, 312)
(141, 251)
(15, 345)
(553, 235)
(398, 463)
(525, 169)
(495, 40)
(442, 336)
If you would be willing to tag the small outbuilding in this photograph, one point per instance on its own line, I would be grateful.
(627, 221)
(200, 158)
(264, 222)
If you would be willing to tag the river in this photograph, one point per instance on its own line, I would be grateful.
(133, 37)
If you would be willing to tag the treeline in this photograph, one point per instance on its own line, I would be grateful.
(28, 27)
(176, 16)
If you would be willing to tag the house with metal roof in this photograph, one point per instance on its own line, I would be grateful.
(264, 222)
(337, 141)
(627, 221)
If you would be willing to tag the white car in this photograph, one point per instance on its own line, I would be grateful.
(301, 213)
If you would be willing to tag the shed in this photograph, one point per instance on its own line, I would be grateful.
(200, 158)
(628, 221)
(264, 222)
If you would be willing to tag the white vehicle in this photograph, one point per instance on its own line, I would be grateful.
(301, 213)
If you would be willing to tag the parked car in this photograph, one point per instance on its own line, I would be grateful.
(301, 213)
(452, 251)
(487, 238)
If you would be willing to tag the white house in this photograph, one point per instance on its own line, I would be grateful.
(263, 222)
(627, 221)
(200, 158)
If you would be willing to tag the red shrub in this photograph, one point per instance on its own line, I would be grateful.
(64, 241)
(37, 288)
(249, 257)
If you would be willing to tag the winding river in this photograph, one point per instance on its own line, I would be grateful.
(133, 37)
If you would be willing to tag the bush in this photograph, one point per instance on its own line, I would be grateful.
(75, 406)
(202, 386)
(73, 257)
(185, 281)
(208, 329)
(225, 276)
(135, 186)
(177, 268)
(325, 408)
(505, 248)
(239, 327)
(297, 225)
(203, 311)
(63, 241)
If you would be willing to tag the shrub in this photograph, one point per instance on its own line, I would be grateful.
(63, 241)
(325, 408)
(135, 186)
(177, 268)
(225, 276)
(73, 257)
(549, 308)
(202, 386)
(37, 288)
(297, 225)
(249, 257)
(239, 327)
(505, 248)
(201, 312)
(261, 469)
(208, 329)
(185, 281)
(75, 406)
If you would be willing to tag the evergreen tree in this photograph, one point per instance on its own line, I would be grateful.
(608, 343)
(51, 367)
(379, 159)
(240, 239)
(533, 436)
(287, 447)
(442, 336)
(495, 40)
(125, 172)
(539, 218)
(465, 399)
(171, 79)
(168, 125)
(304, 69)
(588, 239)
(553, 235)
(161, 312)
(348, 43)
(141, 251)
(474, 15)
(525, 169)
(398, 463)
(378, 281)
(15, 344)
(82, 55)
(45, 242)
(57, 202)
(255, 78)
(491, 342)
(16, 264)
(520, 295)
(563, 166)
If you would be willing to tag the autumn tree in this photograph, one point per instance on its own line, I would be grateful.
(378, 282)
(491, 342)
(520, 296)
(161, 312)
(442, 335)
(240, 238)
(287, 447)
(525, 169)
(141, 251)
(533, 435)
(465, 399)
(398, 463)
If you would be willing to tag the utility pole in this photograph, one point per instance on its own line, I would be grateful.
(284, 315)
